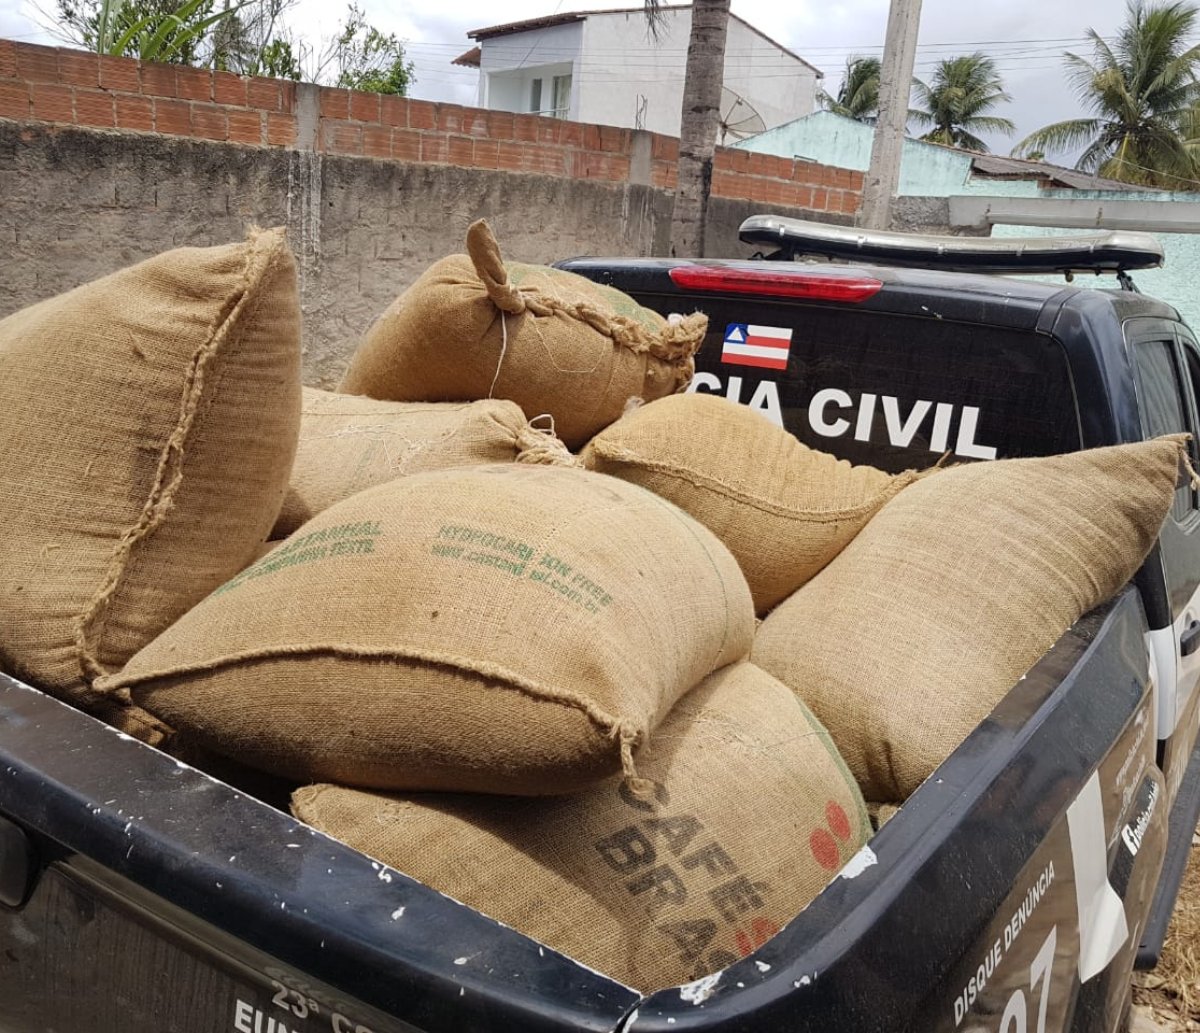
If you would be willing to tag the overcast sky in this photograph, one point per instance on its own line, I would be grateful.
(1027, 38)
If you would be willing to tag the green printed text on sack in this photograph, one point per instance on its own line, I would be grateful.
(342, 540)
(516, 559)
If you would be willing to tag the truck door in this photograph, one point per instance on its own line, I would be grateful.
(1166, 366)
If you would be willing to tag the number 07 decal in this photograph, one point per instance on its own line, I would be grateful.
(1016, 1014)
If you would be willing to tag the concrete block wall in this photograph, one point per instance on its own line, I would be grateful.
(69, 87)
(106, 161)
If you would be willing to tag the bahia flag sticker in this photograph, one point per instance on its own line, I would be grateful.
(749, 345)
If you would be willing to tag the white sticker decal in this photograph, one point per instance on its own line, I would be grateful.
(1102, 926)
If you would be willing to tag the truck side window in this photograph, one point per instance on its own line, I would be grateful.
(1163, 404)
(1191, 357)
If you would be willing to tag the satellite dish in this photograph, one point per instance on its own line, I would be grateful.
(738, 119)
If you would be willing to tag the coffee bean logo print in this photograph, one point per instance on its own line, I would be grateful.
(838, 820)
(824, 846)
(761, 930)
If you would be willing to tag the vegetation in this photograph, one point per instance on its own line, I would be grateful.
(248, 37)
(858, 95)
(367, 59)
(1143, 93)
(154, 30)
(955, 105)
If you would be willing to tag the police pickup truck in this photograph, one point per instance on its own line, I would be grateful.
(1015, 891)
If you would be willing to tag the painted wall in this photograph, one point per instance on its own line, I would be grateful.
(618, 71)
(1175, 283)
(778, 86)
(926, 169)
(622, 70)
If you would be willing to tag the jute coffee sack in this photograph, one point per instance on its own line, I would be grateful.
(148, 422)
(553, 342)
(910, 637)
(505, 629)
(783, 509)
(349, 444)
(753, 812)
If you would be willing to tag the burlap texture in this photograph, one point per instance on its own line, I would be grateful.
(551, 341)
(881, 813)
(752, 815)
(148, 422)
(910, 637)
(507, 629)
(348, 444)
(783, 509)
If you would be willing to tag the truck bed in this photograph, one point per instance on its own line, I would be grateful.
(159, 898)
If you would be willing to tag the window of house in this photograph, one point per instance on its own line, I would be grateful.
(562, 96)
(535, 96)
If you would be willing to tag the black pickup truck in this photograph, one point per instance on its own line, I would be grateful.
(1015, 891)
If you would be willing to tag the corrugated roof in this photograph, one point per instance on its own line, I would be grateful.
(1022, 168)
(566, 18)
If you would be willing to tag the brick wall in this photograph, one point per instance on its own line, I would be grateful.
(68, 87)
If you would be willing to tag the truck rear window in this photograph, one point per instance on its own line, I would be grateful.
(895, 392)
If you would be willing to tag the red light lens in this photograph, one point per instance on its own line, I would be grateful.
(798, 283)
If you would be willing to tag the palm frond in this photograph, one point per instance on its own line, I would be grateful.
(1144, 89)
(991, 124)
(1059, 136)
(656, 19)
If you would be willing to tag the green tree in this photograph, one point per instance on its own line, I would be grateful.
(366, 59)
(1143, 93)
(858, 95)
(955, 105)
(253, 41)
(172, 31)
(249, 37)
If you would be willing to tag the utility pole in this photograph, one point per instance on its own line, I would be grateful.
(895, 85)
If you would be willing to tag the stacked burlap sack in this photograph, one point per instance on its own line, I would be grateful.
(348, 444)
(518, 680)
(900, 609)
(908, 639)
(529, 679)
(147, 426)
(555, 343)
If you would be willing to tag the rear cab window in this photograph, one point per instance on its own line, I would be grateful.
(892, 391)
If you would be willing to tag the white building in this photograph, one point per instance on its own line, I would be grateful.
(604, 67)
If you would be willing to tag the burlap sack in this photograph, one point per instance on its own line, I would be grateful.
(506, 629)
(349, 444)
(881, 813)
(783, 509)
(147, 425)
(753, 813)
(907, 640)
(551, 341)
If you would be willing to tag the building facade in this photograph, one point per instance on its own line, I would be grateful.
(606, 67)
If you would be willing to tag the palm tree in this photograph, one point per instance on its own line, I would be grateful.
(700, 120)
(955, 107)
(1143, 92)
(858, 95)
